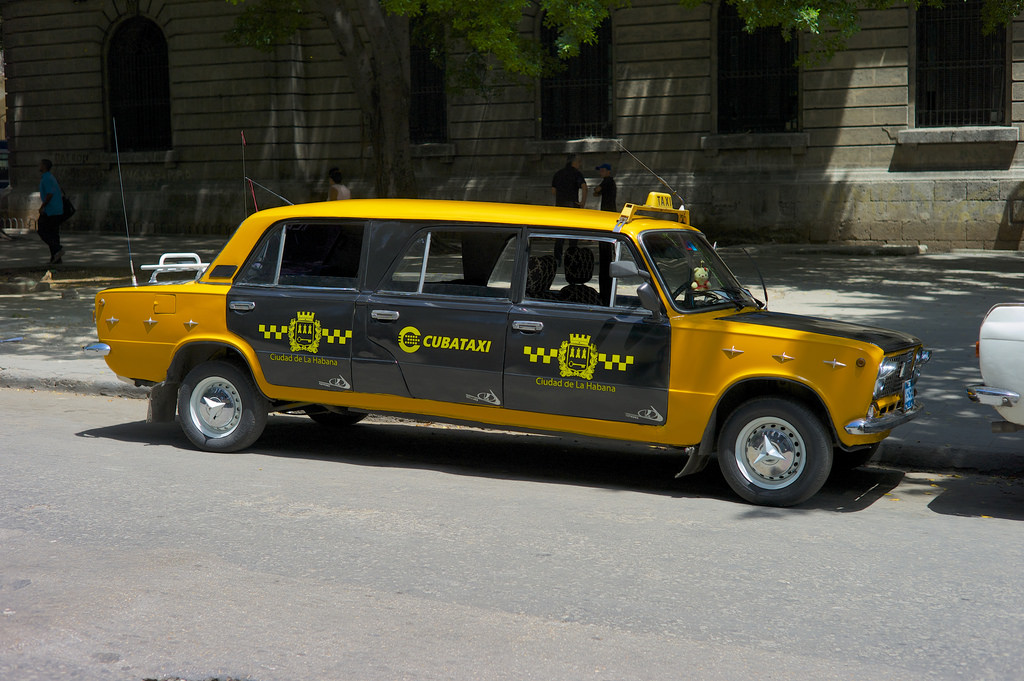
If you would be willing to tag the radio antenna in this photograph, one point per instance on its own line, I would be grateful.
(245, 178)
(660, 178)
(267, 189)
(124, 207)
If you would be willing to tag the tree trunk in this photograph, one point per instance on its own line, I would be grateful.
(375, 55)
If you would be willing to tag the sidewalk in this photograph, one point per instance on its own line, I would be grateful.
(53, 325)
(941, 298)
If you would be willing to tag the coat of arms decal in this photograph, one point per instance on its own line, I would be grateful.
(577, 357)
(304, 332)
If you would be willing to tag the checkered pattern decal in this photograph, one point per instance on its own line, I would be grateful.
(610, 362)
(540, 354)
(337, 336)
(273, 331)
(619, 362)
(280, 332)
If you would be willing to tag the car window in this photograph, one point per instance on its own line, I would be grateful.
(458, 262)
(573, 270)
(694, 275)
(320, 255)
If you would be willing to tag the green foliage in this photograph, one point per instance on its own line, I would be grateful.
(488, 32)
(264, 24)
(828, 25)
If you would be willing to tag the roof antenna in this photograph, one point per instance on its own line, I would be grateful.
(245, 178)
(124, 208)
(660, 178)
(267, 189)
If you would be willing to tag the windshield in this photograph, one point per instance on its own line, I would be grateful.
(694, 275)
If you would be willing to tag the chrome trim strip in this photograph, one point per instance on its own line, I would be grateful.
(994, 397)
(870, 426)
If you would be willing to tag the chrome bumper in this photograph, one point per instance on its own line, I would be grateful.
(993, 397)
(98, 348)
(882, 423)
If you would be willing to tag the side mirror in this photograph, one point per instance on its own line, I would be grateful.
(627, 268)
(650, 299)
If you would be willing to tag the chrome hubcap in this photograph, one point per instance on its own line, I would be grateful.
(215, 407)
(770, 453)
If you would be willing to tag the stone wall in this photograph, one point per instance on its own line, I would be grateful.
(855, 171)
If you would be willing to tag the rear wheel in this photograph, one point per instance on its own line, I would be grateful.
(774, 452)
(221, 409)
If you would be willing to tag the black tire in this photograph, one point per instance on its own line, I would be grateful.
(798, 457)
(220, 408)
(847, 461)
(342, 418)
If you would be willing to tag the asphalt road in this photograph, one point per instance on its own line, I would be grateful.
(393, 551)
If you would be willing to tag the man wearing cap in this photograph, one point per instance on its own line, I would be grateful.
(607, 189)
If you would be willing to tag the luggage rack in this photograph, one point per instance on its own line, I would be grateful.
(176, 262)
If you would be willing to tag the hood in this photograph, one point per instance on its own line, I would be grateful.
(886, 339)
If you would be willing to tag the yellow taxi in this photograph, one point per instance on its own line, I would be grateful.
(623, 326)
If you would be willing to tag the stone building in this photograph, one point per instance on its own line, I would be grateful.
(909, 136)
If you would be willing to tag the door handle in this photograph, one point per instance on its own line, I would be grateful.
(527, 327)
(242, 305)
(384, 315)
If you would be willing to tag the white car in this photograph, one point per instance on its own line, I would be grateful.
(1001, 359)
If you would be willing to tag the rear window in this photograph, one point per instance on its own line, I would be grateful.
(321, 255)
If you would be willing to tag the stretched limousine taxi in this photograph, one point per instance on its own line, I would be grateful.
(623, 326)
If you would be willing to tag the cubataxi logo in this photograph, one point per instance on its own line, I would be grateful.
(410, 340)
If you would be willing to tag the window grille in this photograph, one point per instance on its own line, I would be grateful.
(428, 101)
(758, 81)
(961, 73)
(577, 101)
(139, 86)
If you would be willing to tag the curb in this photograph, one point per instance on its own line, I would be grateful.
(29, 381)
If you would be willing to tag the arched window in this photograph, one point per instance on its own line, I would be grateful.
(577, 101)
(961, 73)
(758, 81)
(138, 86)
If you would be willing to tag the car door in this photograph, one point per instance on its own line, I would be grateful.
(441, 314)
(294, 303)
(579, 342)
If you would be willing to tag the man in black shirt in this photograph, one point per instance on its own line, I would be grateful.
(568, 185)
(607, 189)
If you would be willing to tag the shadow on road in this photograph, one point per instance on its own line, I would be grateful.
(397, 443)
(981, 497)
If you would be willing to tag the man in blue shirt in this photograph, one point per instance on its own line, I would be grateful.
(51, 212)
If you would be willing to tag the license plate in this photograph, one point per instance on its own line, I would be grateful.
(908, 395)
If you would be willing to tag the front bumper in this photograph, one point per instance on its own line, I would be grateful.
(993, 397)
(880, 424)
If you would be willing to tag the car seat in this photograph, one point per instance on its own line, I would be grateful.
(579, 269)
(540, 272)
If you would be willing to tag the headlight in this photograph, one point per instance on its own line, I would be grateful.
(923, 356)
(888, 367)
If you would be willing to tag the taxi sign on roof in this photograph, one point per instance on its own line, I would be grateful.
(657, 202)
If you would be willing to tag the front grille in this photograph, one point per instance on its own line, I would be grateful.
(893, 383)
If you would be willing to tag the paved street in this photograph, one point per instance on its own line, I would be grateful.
(413, 552)
(423, 552)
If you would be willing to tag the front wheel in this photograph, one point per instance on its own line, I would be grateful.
(774, 452)
(220, 408)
